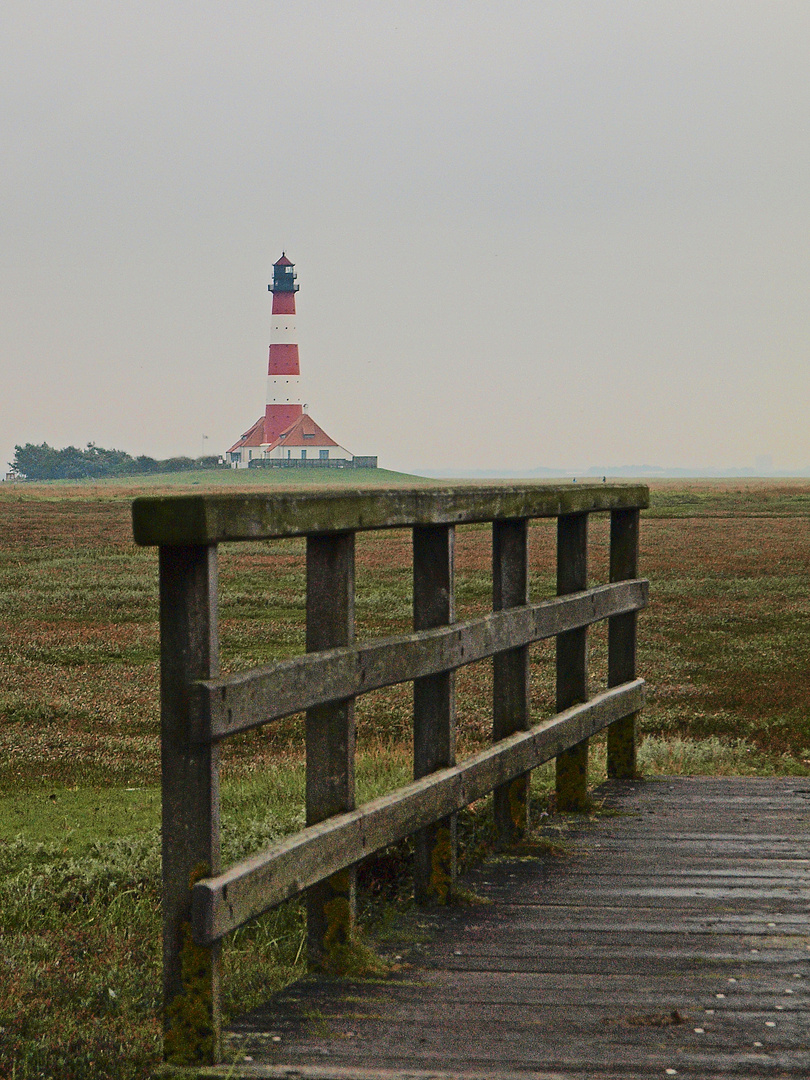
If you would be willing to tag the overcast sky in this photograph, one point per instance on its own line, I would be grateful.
(540, 233)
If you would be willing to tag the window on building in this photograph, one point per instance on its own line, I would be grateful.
(303, 453)
(323, 455)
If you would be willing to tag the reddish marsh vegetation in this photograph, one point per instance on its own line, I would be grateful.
(723, 647)
(723, 644)
(725, 641)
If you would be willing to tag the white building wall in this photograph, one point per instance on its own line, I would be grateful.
(313, 452)
(240, 459)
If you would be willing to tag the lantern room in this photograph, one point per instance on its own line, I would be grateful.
(284, 276)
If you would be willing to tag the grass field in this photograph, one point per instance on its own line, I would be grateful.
(723, 647)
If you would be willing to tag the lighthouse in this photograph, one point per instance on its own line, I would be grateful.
(283, 370)
(286, 436)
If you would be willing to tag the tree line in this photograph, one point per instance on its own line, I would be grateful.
(45, 462)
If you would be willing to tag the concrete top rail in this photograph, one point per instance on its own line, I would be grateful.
(216, 518)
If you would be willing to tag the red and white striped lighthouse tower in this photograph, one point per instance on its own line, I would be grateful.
(283, 371)
(286, 435)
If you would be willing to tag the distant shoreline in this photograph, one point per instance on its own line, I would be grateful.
(624, 472)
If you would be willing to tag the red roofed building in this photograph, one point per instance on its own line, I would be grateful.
(303, 440)
(286, 434)
(248, 447)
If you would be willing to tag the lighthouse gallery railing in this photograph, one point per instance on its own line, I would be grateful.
(202, 903)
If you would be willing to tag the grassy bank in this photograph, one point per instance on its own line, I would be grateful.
(210, 480)
(723, 646)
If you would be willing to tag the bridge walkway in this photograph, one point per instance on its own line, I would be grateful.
(667, 935)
